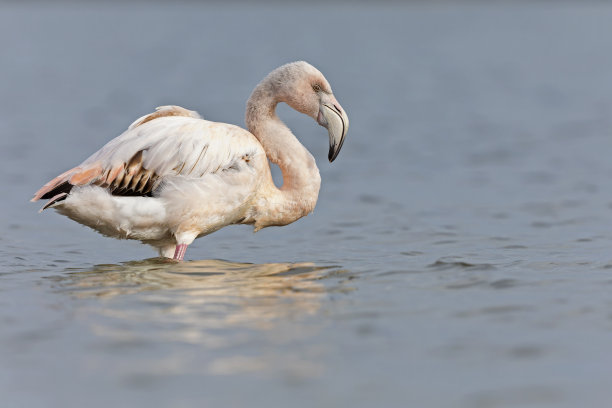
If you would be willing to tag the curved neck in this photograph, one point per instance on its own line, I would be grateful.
(301, 179)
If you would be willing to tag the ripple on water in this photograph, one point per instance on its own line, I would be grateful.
(412, 253)
(445, 242)
(400, 272)
(514, 247)
(443, 264)
(502, 310)
(465, 274)
(504, 283)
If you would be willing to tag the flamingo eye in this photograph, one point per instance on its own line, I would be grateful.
(316, 88)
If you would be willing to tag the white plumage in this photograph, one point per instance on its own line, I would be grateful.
(173, 176)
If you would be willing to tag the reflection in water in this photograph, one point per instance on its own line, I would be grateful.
(215, 304)
(214, 277)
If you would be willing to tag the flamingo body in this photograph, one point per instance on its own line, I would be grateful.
(172, 176)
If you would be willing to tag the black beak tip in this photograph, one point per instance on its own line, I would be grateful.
(332, 154)
(334, 150)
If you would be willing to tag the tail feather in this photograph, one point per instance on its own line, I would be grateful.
(48, 190)
(54, 200)
(63, 183)
(65, 187)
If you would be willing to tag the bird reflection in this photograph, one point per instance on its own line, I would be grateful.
(206, 277)
(212, 303)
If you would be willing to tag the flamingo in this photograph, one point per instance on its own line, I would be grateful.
(173, 176)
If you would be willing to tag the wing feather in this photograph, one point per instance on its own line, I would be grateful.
(170, 141)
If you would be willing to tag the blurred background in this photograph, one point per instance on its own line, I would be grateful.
(459, 254)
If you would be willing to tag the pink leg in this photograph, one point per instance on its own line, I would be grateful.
(179, 252)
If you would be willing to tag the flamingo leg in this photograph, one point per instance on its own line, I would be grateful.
(179, 252)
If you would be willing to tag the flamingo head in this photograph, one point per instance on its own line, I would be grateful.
(305, 89)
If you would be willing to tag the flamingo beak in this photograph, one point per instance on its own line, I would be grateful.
(332, 117)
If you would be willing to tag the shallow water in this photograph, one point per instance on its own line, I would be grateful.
(459, 254)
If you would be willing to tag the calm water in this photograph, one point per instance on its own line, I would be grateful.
(460, 254)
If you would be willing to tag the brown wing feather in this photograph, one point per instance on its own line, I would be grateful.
(130, 179)
(126, 179)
